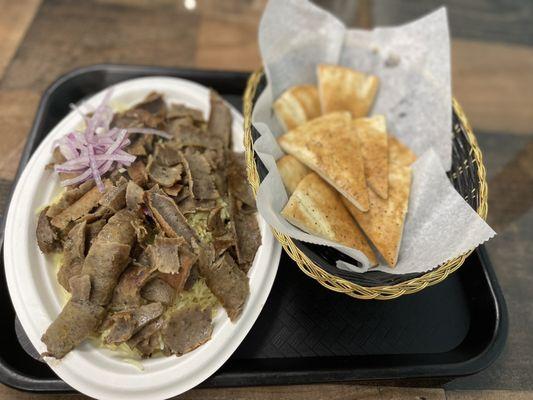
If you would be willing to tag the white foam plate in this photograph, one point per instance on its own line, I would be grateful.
(37, 297)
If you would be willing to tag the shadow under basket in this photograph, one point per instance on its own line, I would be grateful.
(467, 176)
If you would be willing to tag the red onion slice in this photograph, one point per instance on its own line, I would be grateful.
(98, 148)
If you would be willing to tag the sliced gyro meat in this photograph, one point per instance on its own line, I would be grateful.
(76, 321)
(107, 258)
(202, 184)
(217, 160)
(140, 146)
(148, 340)
(186, 329)
(146, 331)
(219, 123)
(126, 323)
(157, 290)
(192, 137)
(113, 200)
(186, 180)
(187, 258)
(193, 277)
(80, 208)
(181, 111)
(150, 345)
(228, 283)
(168, 153)
(127, 293)
(238, 181)
(170, 255)
(92, 231)
(134, 196)
(118, 229)
(154, 104)
(80, 287)
(164, 254)
(142, 233)
(47, 235)
(163, 175)
(190, 205)
(109, 255)
(174, 190)
(137, 173)
(248, 237)
(216, 222)
(168, 216)
(137, 118)
(183, 127)
(223, 243)
(71, 327)
(73, 255)
(68, 197)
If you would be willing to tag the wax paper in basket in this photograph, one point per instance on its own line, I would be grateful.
(413, 64)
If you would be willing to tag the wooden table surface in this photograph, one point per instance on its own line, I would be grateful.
(492, 51)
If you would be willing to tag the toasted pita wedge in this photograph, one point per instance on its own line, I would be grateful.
(316, 208)
(383, 223)
(345, 89)
(292, 172)
(297, 105)
(372, 133)
(400, 153)
(329, 146)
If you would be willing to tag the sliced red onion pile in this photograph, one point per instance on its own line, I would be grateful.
(98, 148)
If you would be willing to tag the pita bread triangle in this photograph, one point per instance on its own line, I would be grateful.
(400, 153)
(345, 89)
(292, 172)
(330, 147)
(372, 133)
(316, 208)
(384, 221)
(297, 105)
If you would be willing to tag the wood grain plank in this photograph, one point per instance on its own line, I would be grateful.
(363, 17)
(18, 109)
(506, 21)
(489, 395)
(7, 393)
(230, 7)
(307, 392)
(228, 40)
(393, 393)
(295, 392)
(204, 7)
(494, 83)
(66, 35)
(146, 4)
(5, 190)
(516, 178)
(15, 19)
(508, 159)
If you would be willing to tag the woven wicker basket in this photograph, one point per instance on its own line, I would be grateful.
(467, 175)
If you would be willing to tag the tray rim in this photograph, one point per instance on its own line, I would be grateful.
(484, 359)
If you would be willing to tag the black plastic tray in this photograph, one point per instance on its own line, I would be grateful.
(305, 333)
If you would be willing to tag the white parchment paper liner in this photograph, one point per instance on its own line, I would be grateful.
(413, 64)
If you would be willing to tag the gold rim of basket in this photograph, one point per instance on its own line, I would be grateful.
(341, 285)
